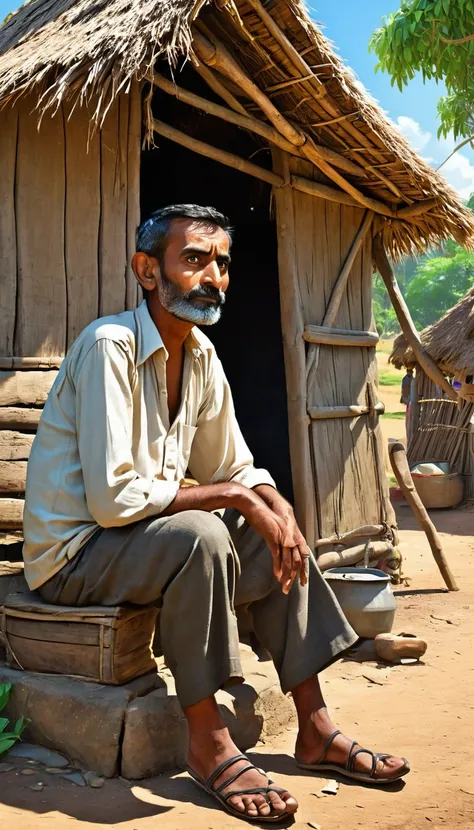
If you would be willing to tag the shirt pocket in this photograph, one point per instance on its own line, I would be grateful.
(186, 441)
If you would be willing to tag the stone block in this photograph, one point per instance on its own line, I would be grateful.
(156, 736)
(81, 720)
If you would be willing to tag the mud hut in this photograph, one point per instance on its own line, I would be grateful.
(438, 430)
(244, 105)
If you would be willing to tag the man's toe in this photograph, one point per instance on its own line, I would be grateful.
(277, 801)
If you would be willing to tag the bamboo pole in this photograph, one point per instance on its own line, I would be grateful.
(222, 156)
(218, 87)
(325, 191)
(401, 309)
(340, 337)
(294, 355)
(398, 460)
(320, 413)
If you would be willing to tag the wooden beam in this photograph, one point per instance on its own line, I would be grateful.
(25, 388)
(349, 556)
(321, 413)
(11, 514)
(18, 417)
(340, 337)
(247, 122)
(340, 284)
(404, 317)
(324, 191)
(14, 446)
(398, 460)
(215, 54)
(222, 156)
(30, 362)
(359, 532)
(417, 208)
(218, 87)
(294, 355)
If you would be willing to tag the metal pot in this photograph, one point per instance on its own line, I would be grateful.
(366, 597)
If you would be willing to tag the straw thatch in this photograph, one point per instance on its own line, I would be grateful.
(95, 47)
(450, 341)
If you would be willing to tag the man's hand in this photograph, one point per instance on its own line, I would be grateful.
(294, 550)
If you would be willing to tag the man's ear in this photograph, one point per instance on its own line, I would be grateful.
(146, 269)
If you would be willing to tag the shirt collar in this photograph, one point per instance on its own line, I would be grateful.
(149, 338)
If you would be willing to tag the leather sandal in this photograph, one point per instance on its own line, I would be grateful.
(223, 799)
(348, 769)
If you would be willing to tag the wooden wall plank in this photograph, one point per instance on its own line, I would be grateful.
(18, 417)
(40, 203)
(8, 268)
(11, 514)
(15, 446)
(82, 220)
(133, 189)
(12, 476)
(113, 216)
(25, 388)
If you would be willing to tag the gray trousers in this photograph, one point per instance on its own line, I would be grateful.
(198, 567)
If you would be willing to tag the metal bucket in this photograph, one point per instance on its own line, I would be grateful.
(366, 597)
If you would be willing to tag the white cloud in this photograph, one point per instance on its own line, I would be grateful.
(413, 132)
(459, 172)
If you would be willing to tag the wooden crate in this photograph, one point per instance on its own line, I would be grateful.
(103, 645)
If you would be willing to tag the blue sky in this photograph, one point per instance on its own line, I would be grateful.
(349, 24)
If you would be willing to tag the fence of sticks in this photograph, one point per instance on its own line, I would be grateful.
(440, 430)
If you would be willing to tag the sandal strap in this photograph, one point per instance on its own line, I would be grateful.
(375, 757)
(222, 768)
(328, 745)
(349, 757)
(233, 778)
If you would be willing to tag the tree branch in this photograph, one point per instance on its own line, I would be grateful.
(462, 144)
(457, 41)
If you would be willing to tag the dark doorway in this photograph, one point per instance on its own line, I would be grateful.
(248, 338)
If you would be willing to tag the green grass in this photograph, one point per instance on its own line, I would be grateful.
(392, 481)
(388, 378)
(385, 346)
(397, 416)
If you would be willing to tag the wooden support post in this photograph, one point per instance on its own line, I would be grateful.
(294, 354)
(320, 413)
(398, 460)
(340, 337)
(404, 317)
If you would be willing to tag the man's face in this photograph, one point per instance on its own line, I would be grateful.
(194, 271)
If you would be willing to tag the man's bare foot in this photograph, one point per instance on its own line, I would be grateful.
(313, 737)
(205, 757)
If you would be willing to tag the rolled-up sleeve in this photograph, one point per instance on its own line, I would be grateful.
(116, 494)
(219, 452)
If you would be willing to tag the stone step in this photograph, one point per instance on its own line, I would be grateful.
(138, 730)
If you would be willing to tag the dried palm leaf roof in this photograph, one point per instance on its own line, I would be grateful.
(450, 341)
(66, 48)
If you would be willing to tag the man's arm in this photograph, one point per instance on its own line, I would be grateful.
(116, 494)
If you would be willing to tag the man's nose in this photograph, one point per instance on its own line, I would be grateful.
(212, 275)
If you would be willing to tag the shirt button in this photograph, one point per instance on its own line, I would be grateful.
(170, 464)
(163, 391)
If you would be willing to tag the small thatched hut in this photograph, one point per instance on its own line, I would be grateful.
(251, 110)
(438, 430)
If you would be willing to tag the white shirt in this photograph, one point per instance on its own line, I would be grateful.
(105, 454)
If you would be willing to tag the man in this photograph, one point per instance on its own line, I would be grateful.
(140, 399)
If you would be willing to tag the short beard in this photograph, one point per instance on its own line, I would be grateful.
(183, 306)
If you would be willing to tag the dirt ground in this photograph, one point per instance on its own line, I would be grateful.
(424, 712)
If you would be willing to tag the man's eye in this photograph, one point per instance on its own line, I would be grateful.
(192, 259)
(223, 265)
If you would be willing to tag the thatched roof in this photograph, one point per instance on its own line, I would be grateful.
(65, 48)
(450, 341)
